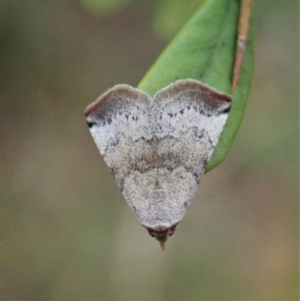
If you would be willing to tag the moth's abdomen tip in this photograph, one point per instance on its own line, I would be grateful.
(161, 234)
(162, 245)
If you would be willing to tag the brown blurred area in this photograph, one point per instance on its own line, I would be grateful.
(66, 232)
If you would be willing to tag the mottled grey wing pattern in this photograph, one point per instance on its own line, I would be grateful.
(188, 120)
(158, 148)
(190, 117)
(117, 121)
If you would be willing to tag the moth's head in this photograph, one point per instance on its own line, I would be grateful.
(161, 234)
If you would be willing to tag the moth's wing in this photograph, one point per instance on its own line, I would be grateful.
(190, 117)
(190, 104)
(119, 122)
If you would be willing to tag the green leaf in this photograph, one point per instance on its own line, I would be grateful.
(204, 50)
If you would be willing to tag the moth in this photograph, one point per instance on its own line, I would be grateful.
(157, 148)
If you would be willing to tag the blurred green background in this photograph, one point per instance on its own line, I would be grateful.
(66, 232)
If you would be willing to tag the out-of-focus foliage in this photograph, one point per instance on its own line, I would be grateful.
(170, 15)
(103, 7)
(66, 233)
